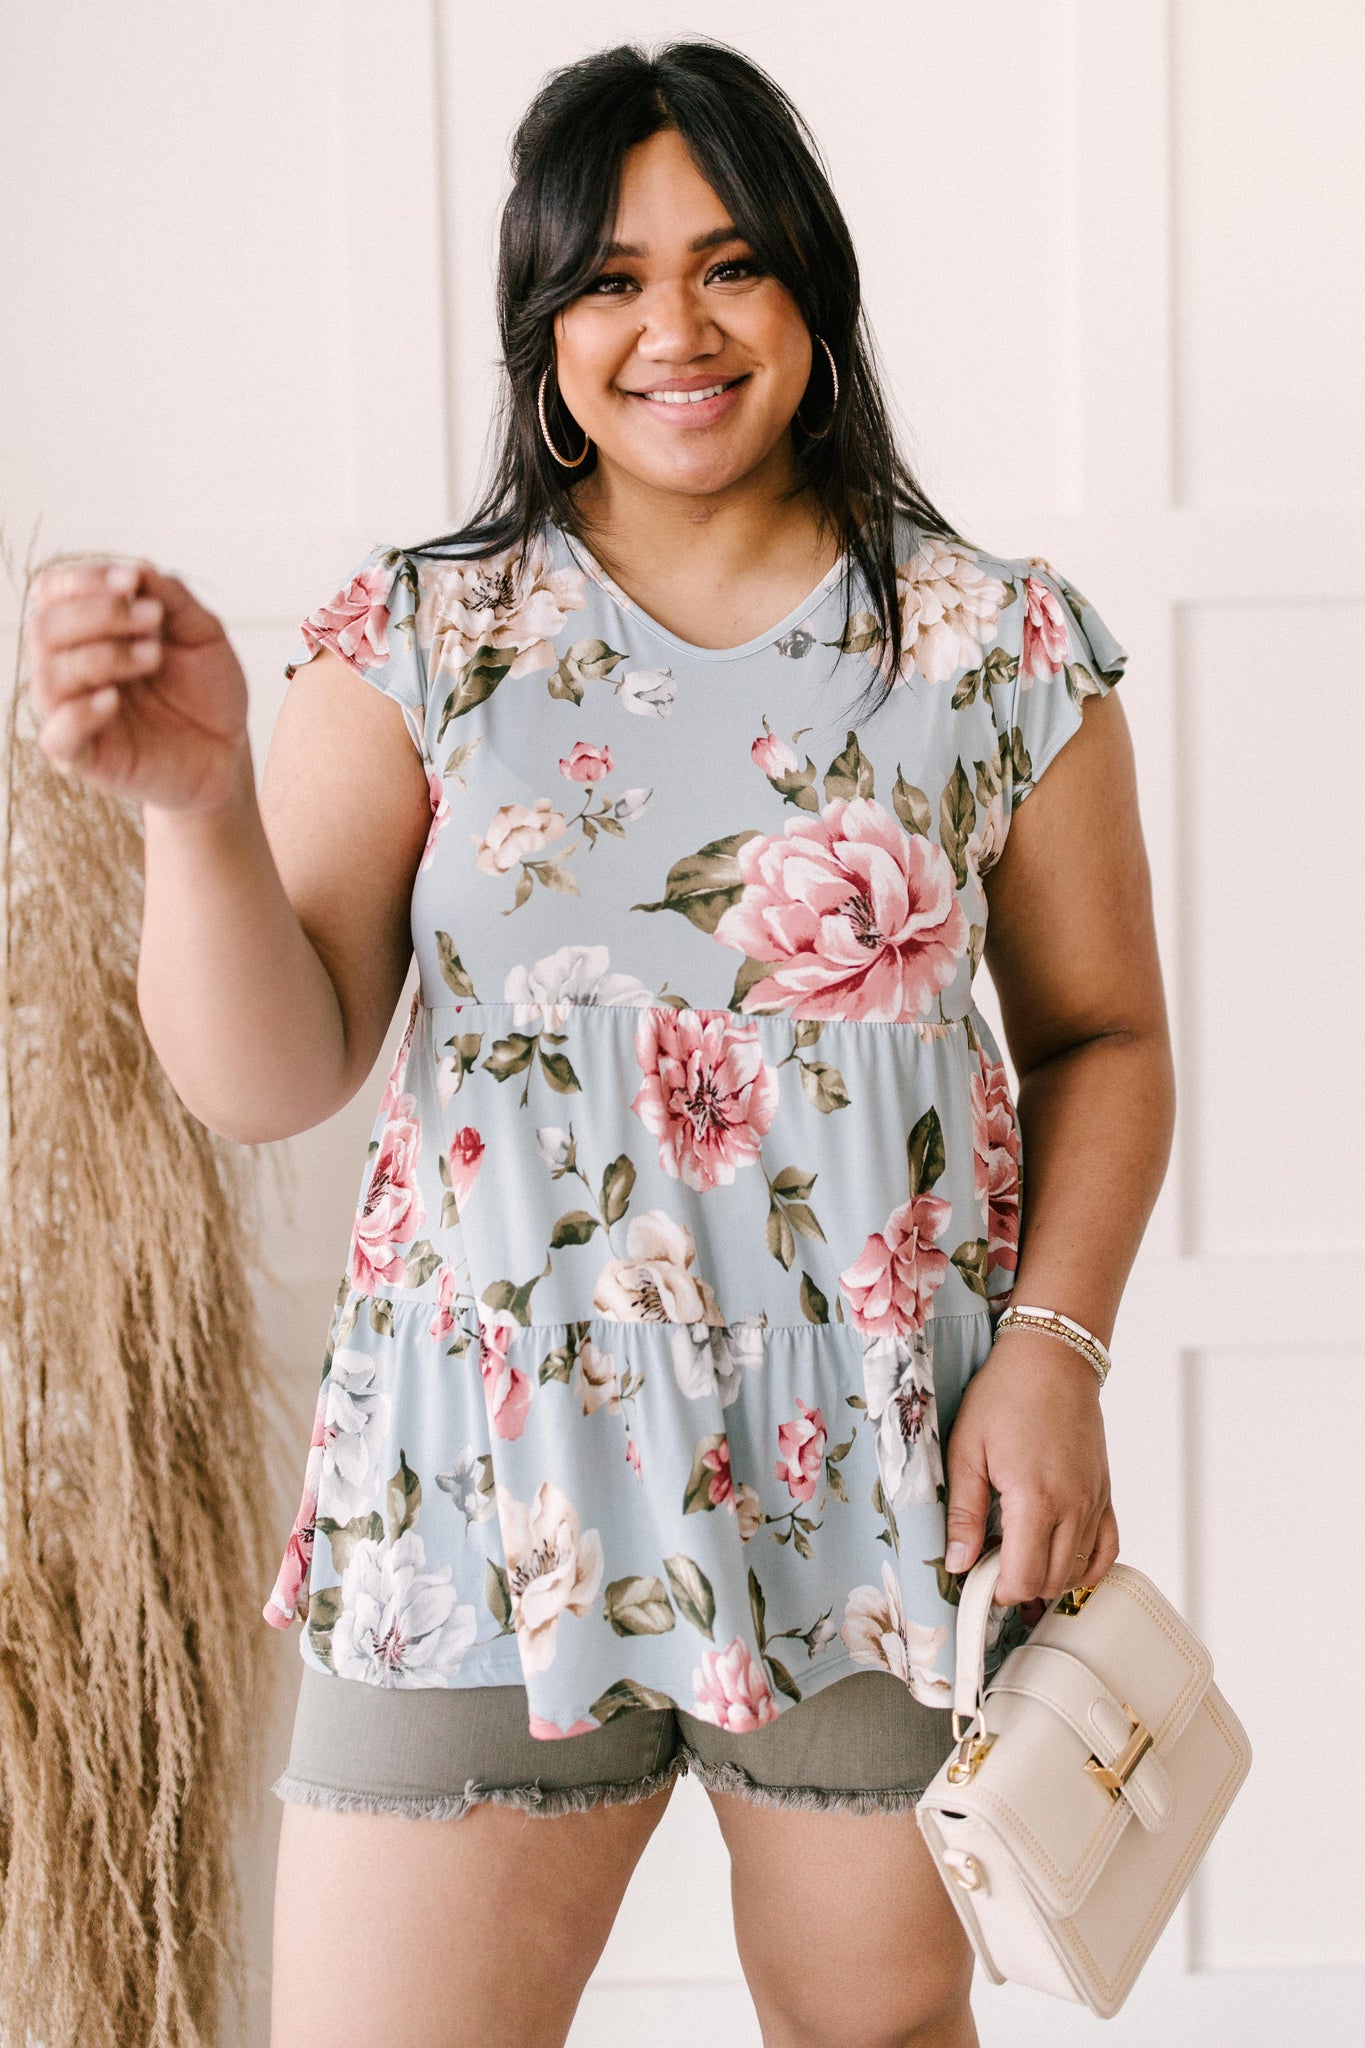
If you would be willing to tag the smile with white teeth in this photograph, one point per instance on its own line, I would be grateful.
(684, 397)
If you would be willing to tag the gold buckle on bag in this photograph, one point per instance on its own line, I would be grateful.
(1115, 1776)
(970, 1748)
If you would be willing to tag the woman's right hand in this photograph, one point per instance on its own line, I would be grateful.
(137, 685)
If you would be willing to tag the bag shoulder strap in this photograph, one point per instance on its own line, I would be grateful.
(973, 1617)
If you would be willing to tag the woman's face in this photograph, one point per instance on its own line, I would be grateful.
(680, 306)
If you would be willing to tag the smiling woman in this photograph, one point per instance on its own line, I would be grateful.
(662, 1405)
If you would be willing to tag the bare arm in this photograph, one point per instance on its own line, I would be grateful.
(275, 934)
(1071, 946)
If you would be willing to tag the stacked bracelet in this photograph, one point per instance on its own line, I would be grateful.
(1075, 1334)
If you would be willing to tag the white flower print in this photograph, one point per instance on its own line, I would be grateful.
(649, 692)
(462, 1484)
(949, 609)
(399, 1625)
(877, 1633)
(513, 605)
(553, 1567)
(630, 805)
(353, 1434)
(655, 1282)
(710, 1360)
(547, 991)
(898, 1383)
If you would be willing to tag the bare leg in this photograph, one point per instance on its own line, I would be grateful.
(445, 1933)
(846, 1936)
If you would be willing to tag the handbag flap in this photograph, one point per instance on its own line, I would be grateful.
(1031, 1786)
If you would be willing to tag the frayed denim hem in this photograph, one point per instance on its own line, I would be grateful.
(728, 1777)
(538, 1801)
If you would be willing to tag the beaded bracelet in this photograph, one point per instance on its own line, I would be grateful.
(1072, 1333)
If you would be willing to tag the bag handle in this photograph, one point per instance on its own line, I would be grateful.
(973, 1617)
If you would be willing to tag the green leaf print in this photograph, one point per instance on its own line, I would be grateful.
(824, 1086)
(697, 1492)
(618, 1181)
(587, 661)
(814, 1306)
(976, 946)
(624, 1695)
(402, 1499)
(758, 1608)
(638, 1606)
(559, 1072)
(452, 969)
(324, 1612)
(967, 687)
(808, 1029)
(693, 1593)
(957, 820)
(1001, 668)
(924, 1151)
(516, 1300)
(850, 773)
(861, 633)
(778, 1235)
(344, 1536)
(510, 1055)
(750, 974)
(782, 1678)
(576, 1226)
(911, 805)
(497, 1594)
(381, 1315)
(804, 1221)
(557, 1365)
(479, 678)
(949, 1584)
(972, 1258)
(794, 1183)
(703, 885)
(421, 1262)
(456, 760)
(553, 874)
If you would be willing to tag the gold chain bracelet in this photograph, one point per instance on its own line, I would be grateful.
(1072, 1333)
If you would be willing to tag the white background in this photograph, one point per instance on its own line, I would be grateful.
(1114, 263)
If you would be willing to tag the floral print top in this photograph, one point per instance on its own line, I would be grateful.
(694, 1191)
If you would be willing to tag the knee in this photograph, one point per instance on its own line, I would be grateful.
(922, 2000)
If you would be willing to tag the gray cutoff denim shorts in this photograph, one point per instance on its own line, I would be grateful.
(862, 1744)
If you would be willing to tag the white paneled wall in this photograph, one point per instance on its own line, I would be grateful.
(1113, 260)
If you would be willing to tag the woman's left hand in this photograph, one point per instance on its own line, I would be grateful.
(1029, 1425)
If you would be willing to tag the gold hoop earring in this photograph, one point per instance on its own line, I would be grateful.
(569, 461)
(834, 407)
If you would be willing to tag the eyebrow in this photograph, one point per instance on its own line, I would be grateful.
(713, 240)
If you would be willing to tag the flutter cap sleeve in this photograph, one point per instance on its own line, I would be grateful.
(1066, 653)
(371, 622)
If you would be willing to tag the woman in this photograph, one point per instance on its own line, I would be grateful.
(663, 1405)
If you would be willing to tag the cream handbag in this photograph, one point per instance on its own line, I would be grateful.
(1091, 1775)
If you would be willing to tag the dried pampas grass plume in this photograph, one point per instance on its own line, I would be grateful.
(138, 1442)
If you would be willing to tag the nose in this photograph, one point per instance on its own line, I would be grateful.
(676, 326)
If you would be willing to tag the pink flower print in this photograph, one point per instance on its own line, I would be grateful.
(1045, 640)
(731, 1690)
(708, 1095)
(549, 1731)
(585, 763)
(889, 1285)
(440, 811)
(802, 1447)
(720, 1489)
(996, 1151)
(281, 1607)
(859, 916)
(464, 1159)
(393, 1087)
(392, 1212)
(633, 1458)
(444, 1318)
(506, 1389)
(355, 623)
(774, 757)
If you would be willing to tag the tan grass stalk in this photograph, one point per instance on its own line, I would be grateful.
(138, 1439)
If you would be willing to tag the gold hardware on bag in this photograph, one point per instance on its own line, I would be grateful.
(970, 1751)
(967, 1872)
(1115, 1776)
(1073, 1601)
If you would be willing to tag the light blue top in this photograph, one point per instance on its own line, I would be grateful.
(694, 1192)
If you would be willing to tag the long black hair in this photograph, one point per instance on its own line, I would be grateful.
(752, 146)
